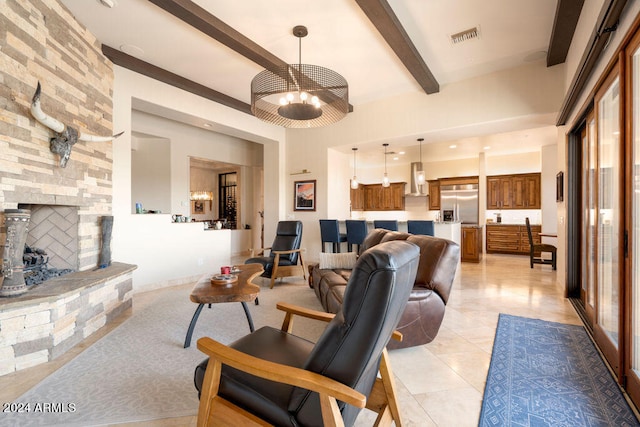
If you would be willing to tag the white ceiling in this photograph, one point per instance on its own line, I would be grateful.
(341, 38)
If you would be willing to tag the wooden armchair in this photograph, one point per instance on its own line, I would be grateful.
(285, 255)
(272, 377)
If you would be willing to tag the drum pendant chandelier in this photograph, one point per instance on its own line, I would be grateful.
(299, 95)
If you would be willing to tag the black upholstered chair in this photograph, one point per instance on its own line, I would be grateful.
(416, 226)
(356, 232)
(272, 377)
(284, 253)
(330, 233)
(391, 224)
(536, 249)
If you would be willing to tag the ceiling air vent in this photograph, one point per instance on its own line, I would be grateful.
(463, 36)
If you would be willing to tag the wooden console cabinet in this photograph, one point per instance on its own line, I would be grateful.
(521, 191)
(510, 238)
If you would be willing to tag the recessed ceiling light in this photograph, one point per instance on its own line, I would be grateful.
(453, 146)
(487, 148)
(132, 50)
(108, 3)
(401, 152)
(395, 158)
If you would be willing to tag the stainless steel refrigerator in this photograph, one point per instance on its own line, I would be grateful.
(459, 203)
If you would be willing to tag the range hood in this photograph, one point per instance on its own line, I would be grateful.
(414, 189)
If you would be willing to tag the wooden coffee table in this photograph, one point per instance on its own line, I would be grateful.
(243, 291)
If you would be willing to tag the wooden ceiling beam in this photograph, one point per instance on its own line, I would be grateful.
(564, 26)
(385, 20)
(199, 18)
(160, 74)
(202, 20)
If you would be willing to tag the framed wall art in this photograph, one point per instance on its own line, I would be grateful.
(304, 195)
(198, 207)
(560, 187)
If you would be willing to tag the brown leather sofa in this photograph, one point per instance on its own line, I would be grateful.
(424, 312)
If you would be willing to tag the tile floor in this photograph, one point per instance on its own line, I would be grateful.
(441, 383)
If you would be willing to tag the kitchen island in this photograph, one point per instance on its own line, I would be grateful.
(445, 230)
(448, 230)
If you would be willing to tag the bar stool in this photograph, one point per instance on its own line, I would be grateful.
(387, 224)
(415, 226)
(330, 233)
(356, 232)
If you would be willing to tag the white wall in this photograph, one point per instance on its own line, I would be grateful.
(514, 163)
(169, 253)
(548, 188)
(151, 174)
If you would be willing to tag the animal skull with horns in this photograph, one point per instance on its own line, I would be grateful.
(66, 136)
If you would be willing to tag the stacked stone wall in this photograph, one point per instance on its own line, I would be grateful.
(40, 41)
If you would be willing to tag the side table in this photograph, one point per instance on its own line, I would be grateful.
(243, 291)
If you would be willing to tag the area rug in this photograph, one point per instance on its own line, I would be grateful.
(549, 374)
(140, 370)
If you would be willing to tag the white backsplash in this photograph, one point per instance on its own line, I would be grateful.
(516, 216)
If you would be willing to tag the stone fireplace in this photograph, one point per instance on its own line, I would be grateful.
(51, 247)
(44, 43)
(55, 230)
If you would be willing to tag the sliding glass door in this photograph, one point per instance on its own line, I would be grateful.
(610, 217)
(633, 220)
(608, 220)
(588, 197)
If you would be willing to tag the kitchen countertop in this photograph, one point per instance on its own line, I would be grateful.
(509, 223)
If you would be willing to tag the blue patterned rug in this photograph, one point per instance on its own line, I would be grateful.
(549, 374)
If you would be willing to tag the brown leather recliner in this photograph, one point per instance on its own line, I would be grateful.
(424, 312)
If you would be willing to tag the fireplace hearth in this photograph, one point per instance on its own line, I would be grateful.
(36, 266)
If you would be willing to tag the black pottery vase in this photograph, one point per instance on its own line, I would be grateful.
(105, 250)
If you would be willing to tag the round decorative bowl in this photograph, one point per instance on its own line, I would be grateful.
(224, 279)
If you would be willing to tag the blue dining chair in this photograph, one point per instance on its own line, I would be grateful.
(415, 226)
(330, 233)
(356, 232)
(387, 224)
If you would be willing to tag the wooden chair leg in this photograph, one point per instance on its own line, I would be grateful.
(304, 270)
(390, 387)
(274, 271)
(383, 397)
(531, 259)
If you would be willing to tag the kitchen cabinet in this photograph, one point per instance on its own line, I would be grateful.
(510, 238)
(499, 192)
(357, 198)
(521, 191)
(375, 197)
(471, 247)
(434, 195)
(526, 191)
